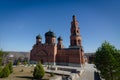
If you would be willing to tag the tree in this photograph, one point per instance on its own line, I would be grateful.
(5, 72)
(0, 72)
(107, 60)
(18, 62)
(2, 56)
(25, 62)
(38, 71)
(10, 67)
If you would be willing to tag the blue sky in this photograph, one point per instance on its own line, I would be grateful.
(22, 20)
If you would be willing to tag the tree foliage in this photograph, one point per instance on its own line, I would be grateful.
(0, 72)
(38, 71)
(18, 62)
(25, 62)
(1, 53)
(5, 72)
(107, 60)
(2, 56)
(10, 67)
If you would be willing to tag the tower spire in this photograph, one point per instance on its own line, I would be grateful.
(75, 38)
(74, 18)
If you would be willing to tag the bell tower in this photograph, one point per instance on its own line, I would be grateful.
(75, 38)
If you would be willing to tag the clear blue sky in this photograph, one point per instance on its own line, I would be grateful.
(22, 20)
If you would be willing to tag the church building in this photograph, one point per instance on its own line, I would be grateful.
(54, 53)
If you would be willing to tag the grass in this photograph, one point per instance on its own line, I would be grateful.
(23, 73)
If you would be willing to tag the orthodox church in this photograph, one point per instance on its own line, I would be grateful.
(54, 53)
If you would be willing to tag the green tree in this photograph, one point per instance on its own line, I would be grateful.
(25, 62)
(2, 56)
(38, 71)
(0, 72)
(107, 60)
(5, 72)
(18, 62)
(10, 67)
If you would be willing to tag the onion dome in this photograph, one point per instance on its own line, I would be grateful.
(38, 37)
(50, 34)
(60, 38)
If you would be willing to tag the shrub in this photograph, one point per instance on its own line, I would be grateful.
(38, 71)
(5, 72)
(25, 63)
(18, 62)
(52, 74)
(0, 72)
(31, 71)
(10, 67)
(21, 70)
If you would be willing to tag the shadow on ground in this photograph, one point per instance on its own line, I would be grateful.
(28, 77)
(97, 76)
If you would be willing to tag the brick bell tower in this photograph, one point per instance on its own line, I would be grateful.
(75, 38)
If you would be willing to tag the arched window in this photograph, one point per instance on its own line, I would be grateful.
(74, 42)
(78, 41)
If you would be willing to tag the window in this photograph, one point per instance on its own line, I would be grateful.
(78, 41)
(74, 32)
(74, 42)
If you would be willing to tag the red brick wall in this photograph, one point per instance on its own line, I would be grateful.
(68, 55)
(46, 52)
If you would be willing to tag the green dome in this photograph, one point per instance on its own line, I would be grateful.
(60, 38)
(38, 37)
(50, 34)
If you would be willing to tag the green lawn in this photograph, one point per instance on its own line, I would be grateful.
(23, 73)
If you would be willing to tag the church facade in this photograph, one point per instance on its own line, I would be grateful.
(54, 53)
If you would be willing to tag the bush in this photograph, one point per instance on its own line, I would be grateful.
(21, 70)
(25, 63)
(38, 71)
(10, 67)
(18, 62)
(0, 72)
(5, 72)
(52, 74)
(31, 71)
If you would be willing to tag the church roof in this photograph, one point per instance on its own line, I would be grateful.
(60, 38)
(38, 37)
(50, 34)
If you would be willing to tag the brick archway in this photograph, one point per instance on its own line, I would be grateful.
(42, 56)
